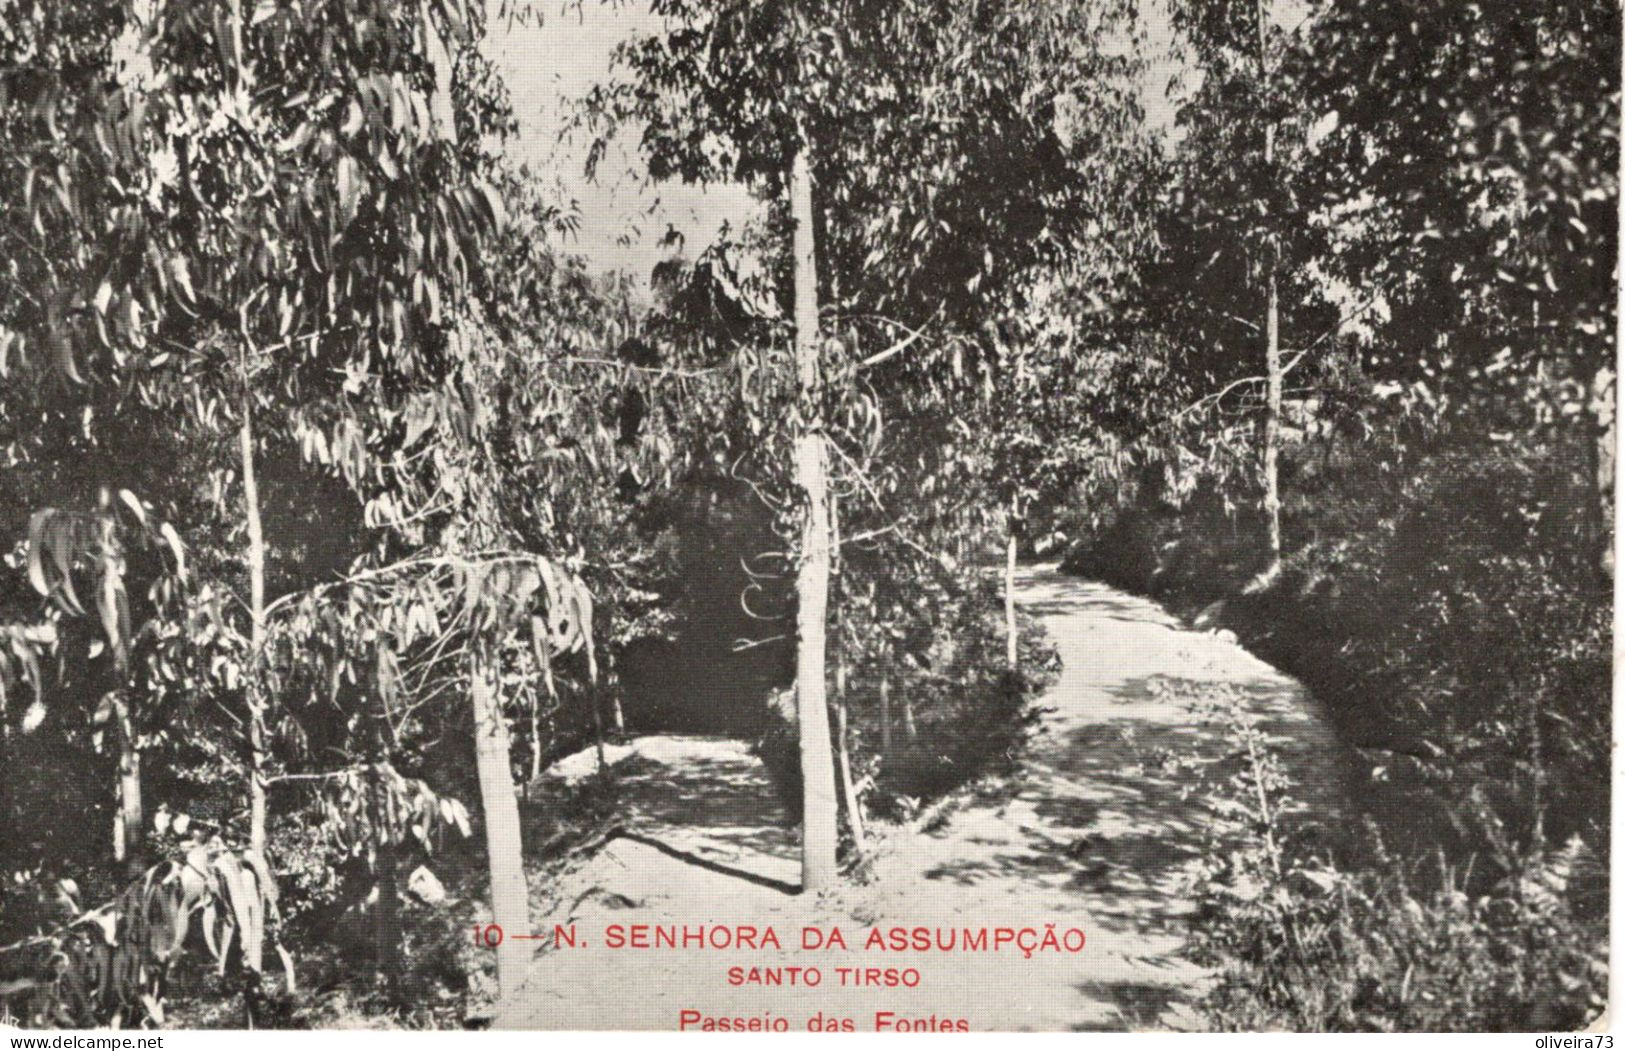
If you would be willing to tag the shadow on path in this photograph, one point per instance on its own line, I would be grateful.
(1113, 809)
(712, 866)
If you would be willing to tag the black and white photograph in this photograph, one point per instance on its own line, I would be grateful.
(774, 516)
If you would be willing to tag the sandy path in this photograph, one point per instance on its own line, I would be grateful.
(1095, 835)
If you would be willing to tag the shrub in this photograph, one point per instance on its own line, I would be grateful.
(956, 711)
(1301, 944)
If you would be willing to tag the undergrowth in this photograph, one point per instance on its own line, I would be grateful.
(1305, 942)
(953, 712)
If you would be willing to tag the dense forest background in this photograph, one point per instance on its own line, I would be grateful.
(339, 497)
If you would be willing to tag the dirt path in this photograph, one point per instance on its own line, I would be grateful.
(1095, 835)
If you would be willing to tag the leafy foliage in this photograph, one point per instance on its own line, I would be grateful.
(1307, 946)
(312, 432)
(111, 964)
(365, 810)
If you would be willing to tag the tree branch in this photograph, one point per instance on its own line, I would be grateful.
(897, 348)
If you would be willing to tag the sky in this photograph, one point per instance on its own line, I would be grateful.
(550, 62)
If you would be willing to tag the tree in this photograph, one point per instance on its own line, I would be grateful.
(268, 230)
(228, 125)
(60, 544)
(760, 122)
(425, 627)
(1472, 155)
(948, 152)
(996, 153)
(1240, 231)
(1272, 321)
(812, 575)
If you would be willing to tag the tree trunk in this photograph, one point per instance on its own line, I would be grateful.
(256, 637)
(441, 113)
(885, 715)
(598, 727)
(1272, 340)
(818, 809)
(1010, 656)
(1272, 427)
(129, 824)
(387, 941)
(849, 791)
(1601, 453)
(617, 717)
(510, 905)
(843, 761)
(256, 549)
(535, 741)
(388, 947)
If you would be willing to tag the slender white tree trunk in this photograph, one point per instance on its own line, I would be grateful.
(1011, 658)
(843, 760)
(885, 715)
(818, 809)
(510, 904)
(256, 635)
(253, 687)
(388, 943)
(1601, 453)
(1272, 337)
(535, 742)
(441, 113)
(598, 728)
(1272, 426)
(843, 751)
(128, 824)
